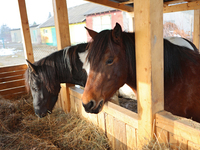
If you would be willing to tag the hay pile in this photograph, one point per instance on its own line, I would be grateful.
(20, 128)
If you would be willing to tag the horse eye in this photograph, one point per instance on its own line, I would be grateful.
(36, 89)
(109, 61)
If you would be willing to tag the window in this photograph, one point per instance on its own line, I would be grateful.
(101, 23)
(44, 31)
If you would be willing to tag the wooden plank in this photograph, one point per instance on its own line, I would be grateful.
(128, 2)
(13, 90)
(119, 129)
(162, 136)
(12, 84)
(92, 117)
(109, 3)
(65, 96)
(121, 114)
(186, 129)
(101, 120)
(76, 92)
(176, 142)
(72, 103)
(11, 78)
(61, 23)
(131, 138)
(192, 146)
(196, 32)
(57, 105)
(149, 64)
(14, 73)
(68, 96)
(14, 95)
(78, 105)
(177, 2)
(182, 7)
(109, 129)
(28, 49)
(12, 68)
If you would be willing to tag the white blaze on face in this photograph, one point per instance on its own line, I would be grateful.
(179, 41)
(86, 64)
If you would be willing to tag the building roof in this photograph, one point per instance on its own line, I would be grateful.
(30, 26)
(78, 13)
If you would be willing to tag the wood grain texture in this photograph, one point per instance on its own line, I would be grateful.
(186, 129)
(109, 3)
(196, 32)
(13, 68)
(26, 37)
(149, 64)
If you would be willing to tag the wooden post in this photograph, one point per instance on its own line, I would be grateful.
(196, 32)
(61, 23)
(28, 49)
(63, 36)
(149, 65)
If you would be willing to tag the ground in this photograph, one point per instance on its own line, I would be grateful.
(13, 53)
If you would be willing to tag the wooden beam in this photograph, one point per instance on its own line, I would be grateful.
(149, 64)
(61, 23)
(196, 32)
(13, 68)
(63, 40)
(184, 128)
(109, 3)
(128, 2)
(177, 2)
(28, 49)
(65, 96)
(182, 7)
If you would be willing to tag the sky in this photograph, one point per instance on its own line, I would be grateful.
(37, 10)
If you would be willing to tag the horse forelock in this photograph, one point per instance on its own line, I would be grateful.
(48, 72)
(99, 46)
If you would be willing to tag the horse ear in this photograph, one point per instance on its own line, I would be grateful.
(91, 32)
(32, 67)
(117, 33)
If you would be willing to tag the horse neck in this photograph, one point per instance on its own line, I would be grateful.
(129, 42)
(74, 72)
(59, 70)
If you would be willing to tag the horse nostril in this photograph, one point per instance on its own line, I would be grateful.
(89, 106)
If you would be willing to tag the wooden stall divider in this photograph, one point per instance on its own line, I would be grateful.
(28, 49)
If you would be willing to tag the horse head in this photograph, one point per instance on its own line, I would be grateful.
(43, 98)
(108, 68)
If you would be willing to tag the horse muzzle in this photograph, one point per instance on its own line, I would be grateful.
(42, 114)
(91, 107)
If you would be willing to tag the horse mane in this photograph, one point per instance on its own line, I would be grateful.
(48, 71)
(52, 68)
(174, 55)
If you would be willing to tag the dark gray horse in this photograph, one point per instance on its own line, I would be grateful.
(43, 77)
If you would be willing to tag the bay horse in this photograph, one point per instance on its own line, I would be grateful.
(112, 64)
(43, 77)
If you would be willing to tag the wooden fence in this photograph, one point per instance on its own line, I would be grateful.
(12, 81)
(120, 125)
